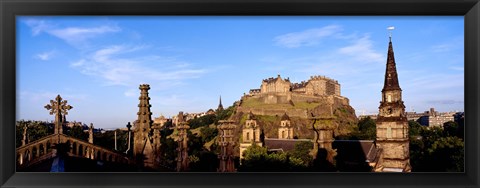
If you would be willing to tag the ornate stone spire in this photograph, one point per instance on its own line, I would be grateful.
(391, 78)
(142, 148)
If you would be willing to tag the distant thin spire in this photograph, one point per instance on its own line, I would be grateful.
(220, 106)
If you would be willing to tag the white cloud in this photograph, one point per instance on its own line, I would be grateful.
(449, 45)
(45, 56)
(75, 36)
(362, 50)
(457, 68)
(40, 96)
(306, 38)
(108, 64)
(131, 93)
(37, 26)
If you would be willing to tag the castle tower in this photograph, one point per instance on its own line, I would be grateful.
(392, 125)
(142, 146)
(285, 131)
(182, 140)
(220, 106)
(250, 134)
(226, 142)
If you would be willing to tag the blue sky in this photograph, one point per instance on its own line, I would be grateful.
(97, 63)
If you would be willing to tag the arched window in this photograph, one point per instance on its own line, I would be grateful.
(284, 135)
(248, 136)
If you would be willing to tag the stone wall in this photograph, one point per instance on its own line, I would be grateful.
(272, 112)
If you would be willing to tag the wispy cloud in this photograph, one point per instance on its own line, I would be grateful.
(45, 56)
(457, 68)
(447, 101)
(306, 38)
(362, 50)
(41, 96)
(75, 36)
(451, 44)
(37, 26)
(114, 69)
(359, 52)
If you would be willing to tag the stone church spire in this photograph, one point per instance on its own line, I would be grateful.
(391, 77)
(392, 126)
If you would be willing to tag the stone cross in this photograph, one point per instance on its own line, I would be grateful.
(58, 107)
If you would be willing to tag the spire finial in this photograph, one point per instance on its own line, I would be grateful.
(390, 28)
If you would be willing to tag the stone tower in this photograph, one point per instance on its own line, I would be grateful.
(285, 131)
(392, 125)
(250, 134)
(226, 142)
(142, 146)
(182, 140)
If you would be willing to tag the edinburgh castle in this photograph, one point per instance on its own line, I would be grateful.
(277, 91)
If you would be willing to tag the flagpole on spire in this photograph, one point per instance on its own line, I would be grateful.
(390, 28)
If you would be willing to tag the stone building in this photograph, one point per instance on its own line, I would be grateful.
(315, 86)
(161, 120)
(285, 131)
(392, 124)
(250, 134)
(275, 85)
(433, 118)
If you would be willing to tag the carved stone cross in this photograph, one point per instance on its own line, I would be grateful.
(58, 107)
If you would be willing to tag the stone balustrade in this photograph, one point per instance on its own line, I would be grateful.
(43, 149)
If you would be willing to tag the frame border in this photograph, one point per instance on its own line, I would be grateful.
(9, 9)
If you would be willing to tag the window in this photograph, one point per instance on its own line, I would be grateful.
(389, 98)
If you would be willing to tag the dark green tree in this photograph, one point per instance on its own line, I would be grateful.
(451, 128)
(367, 129)
(302, 152)
(77, 132)
(414, 128)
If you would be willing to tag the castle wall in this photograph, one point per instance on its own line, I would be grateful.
(258, 111)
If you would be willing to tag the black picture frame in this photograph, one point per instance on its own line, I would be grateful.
(470, 9)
